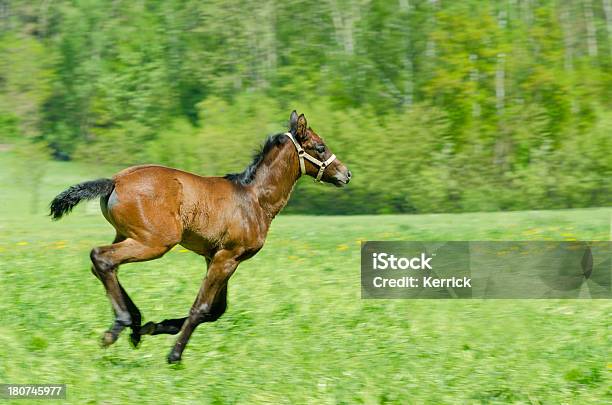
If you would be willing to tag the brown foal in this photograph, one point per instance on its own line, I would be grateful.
(224, 219)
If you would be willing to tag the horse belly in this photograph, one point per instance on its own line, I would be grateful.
(198, 244)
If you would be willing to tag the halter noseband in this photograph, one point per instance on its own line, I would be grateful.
(303, 155)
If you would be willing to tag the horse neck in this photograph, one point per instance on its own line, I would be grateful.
(275, 177)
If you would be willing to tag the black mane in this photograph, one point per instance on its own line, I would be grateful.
(248, 174)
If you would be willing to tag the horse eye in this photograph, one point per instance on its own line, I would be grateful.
(320, 148)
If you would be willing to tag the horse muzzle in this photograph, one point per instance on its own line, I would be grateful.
(341, 179)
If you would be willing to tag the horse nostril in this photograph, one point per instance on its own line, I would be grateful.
(348, 174)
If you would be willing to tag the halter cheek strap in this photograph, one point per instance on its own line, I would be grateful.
(303, 155)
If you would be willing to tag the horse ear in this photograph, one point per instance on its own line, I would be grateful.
(301, 128)
(293, 122)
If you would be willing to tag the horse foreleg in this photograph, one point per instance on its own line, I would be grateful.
(211, 301)
(167, 326)
(173, 326)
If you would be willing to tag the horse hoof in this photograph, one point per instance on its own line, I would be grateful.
(174, 357)
(108, 338)
(135, 339)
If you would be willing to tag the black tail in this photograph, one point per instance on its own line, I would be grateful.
(68, 199)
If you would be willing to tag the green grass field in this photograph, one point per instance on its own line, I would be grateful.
(296, 330)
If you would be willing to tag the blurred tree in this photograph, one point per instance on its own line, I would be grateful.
(437, 105)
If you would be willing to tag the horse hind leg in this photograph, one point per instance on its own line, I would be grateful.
(135, 315)
(133, 310)
(106, 260)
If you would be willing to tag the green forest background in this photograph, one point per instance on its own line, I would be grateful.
(435, 105)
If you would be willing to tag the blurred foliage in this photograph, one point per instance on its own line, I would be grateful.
(436, 106)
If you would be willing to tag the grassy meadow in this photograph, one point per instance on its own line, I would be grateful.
(296, 330)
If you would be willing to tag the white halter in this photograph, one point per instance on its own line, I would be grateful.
(303, 155)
